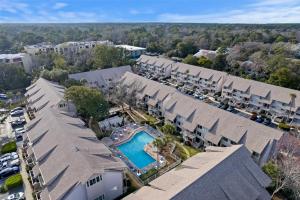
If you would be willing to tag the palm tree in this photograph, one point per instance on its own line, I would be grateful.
(293, 97)
(159, 144)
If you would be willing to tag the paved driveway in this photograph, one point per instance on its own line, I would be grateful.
(5, 195)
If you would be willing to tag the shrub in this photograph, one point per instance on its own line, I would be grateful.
(9, 147)
(284, 126)
(149, 173)
(13, 181)
(3, 189)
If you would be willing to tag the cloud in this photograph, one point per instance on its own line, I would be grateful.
(264, 11)
(59, 5)
(139, 12)
(13, 7)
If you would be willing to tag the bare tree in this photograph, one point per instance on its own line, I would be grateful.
(131, 95)
(288, 176)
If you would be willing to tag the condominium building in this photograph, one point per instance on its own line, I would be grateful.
(103, 78)
(131, 51)
(225, 173)
(198, 78)
(63, 48)
(39, 48)
(74, 47)
(202, 124)
(158, 67)
(64, 157)
(258, 96)
(20, 59)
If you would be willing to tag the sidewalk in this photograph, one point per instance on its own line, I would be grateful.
(27, 187)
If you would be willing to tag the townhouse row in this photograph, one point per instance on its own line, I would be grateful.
(202, 124)
(64, 158)
(255, 96)
(103, 79)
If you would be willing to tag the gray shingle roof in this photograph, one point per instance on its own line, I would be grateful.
(217, 121)
(101, 76)
(67, 152)
(156, 61)
(226, 173)
(262, 89)
(200, 72)
(44, 93)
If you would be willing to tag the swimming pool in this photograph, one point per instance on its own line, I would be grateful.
(134, 149)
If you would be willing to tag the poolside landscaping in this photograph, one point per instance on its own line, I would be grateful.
(148, 148)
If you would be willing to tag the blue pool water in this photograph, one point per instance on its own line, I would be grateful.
(134, 149)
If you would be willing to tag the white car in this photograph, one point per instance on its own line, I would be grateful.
(20, 130)
(16, 196)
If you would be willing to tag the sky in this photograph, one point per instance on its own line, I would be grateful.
(187, 11)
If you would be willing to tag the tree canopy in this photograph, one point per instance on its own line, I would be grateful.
(13, 77)
(89, 102)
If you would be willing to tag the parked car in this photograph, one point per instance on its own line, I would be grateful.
(4, 165)
(9, 157)
(203, 97)
(16, 196)
(17, 108)
(230, 109)
(220, 105)
(267, 121)
(17, 123)
(16, 113)
(253, 116)
(14, 163)
(20, 130)
(9, 171)
(8, 154)
(225, 106)
(259, 119)
(3, 96)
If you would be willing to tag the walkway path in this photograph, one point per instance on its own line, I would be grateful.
(27, 187)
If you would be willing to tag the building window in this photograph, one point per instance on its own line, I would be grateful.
(100, 197)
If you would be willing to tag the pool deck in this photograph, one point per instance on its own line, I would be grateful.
(127, 137)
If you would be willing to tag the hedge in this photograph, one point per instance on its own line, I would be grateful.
(3, 189)
(13, 181)
(9, 147)
(284, 126)
(148, 174)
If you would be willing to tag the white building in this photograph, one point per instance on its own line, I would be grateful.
(19, 59)
(39, 48)
(65, 158)
(209, 54)
(74, 47)
(198, 78)
(66, 47)
(132, 51)
(202, 124)
(258, 96)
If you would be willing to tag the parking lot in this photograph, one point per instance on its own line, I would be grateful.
(11, 128)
